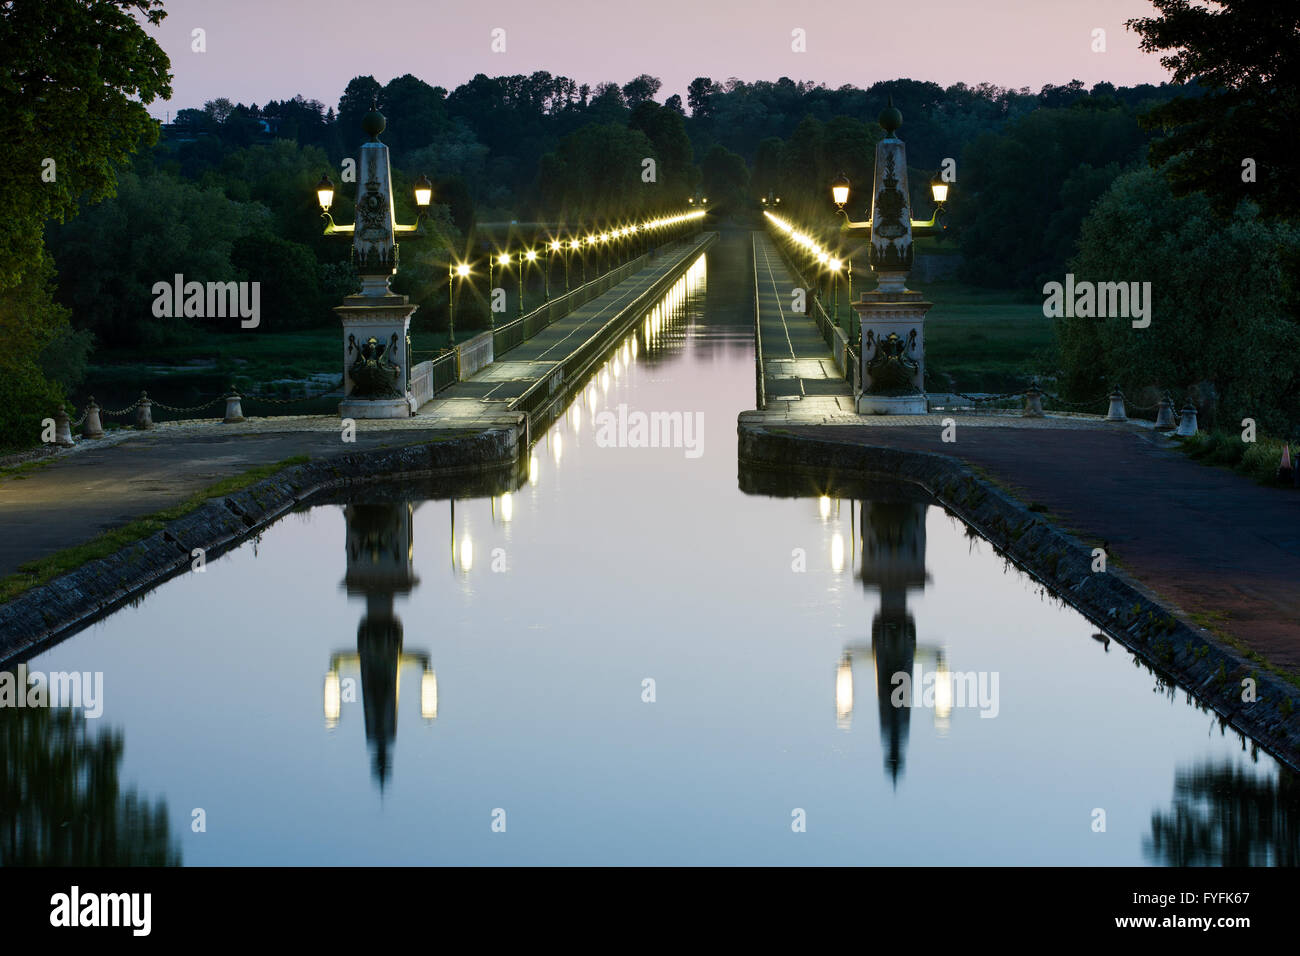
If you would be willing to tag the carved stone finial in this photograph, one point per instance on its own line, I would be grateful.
(890, 117)
(373, 123)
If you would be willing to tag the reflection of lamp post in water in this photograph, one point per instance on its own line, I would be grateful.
(893, 561)
(380, 566)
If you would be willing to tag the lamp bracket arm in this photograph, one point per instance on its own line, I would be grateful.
(331, 229)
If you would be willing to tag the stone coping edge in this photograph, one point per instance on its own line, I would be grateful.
(1211, 671)
(50, 612)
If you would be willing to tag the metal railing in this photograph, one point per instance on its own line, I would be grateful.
(840, 341)
(760, 387)
(516, 332)
(542, 393)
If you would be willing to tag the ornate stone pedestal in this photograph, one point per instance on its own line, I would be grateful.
(376, 356)
(893, 317)
(893, 351)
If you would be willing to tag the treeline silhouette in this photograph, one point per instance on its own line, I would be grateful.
(228, 190)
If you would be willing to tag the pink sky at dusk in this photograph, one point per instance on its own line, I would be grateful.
(258, 50)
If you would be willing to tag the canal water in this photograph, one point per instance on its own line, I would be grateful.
(636, 657)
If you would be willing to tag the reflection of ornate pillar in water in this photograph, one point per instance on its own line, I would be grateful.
(893, 560)
(380, 550)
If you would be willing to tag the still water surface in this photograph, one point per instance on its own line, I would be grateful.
(628, 660)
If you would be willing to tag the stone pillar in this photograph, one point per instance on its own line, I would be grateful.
(234, 409)
(376, 360)
(1033, 402)
(376, 322)
(62, 428)
(144, 412)
(92, 427)
(1116, 412)
(893, 317)
(1187, 427)
(1165, 416)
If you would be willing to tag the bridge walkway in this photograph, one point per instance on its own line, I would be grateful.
(489, 394)
(800, 373)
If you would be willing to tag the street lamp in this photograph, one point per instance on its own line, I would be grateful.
(556, 246)
(423, 192)
(460, 271)
(325, 193)
(840, 191)
(834, 265)
(502, 262)
(524, 257)
(376, 322)
(893, 346)
(938, 192)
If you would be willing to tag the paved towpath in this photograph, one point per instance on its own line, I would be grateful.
(798, 368)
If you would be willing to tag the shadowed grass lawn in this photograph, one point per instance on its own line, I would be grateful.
(983, 340)
(255, 356)
(976, 339)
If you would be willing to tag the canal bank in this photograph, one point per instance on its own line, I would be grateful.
(1128, 604)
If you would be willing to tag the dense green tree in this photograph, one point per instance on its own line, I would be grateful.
(422, 110)
(596, 173)
(1245, 54)
(671, 149)
(699, 97)
(1020, 198)
(75, 78)
(1221, 314)
(289, 281)
(726, 178)
(769, 165)
(355, 103)
(640, 90)
(112, 255)
(41, 358)
(281, 176)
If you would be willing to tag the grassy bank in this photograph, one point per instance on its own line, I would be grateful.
(284, 364)
(1257, 460)
(983, 340)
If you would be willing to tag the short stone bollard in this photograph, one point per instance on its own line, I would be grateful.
(144, 412)
(62, 430)
(1165, 416)
(92, 427)
(234, 410)
(1033, 403)
(1285, 470)
(1187, 427)
(1116, 413)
